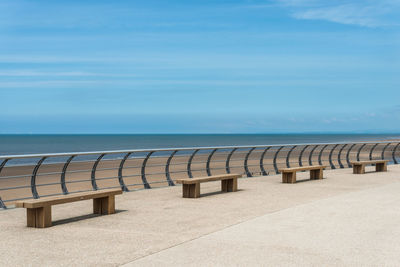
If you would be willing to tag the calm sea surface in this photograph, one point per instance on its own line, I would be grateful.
(28, 144)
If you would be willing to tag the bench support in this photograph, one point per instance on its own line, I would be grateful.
(104, 205)
(39, 217)
(191, 190)
(289, 177)
(359, 168)
(316, 174)
(229, 185)
(381, 167)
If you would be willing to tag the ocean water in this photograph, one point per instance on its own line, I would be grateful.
(33, 144)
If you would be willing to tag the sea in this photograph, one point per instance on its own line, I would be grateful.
(37, 144)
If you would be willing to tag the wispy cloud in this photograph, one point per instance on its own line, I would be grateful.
(366, 13)
(33, 73)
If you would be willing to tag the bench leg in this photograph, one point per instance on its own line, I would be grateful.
(191, 190)
(359, 169)
(381, 167)
(316, 174)
(229, 185)
(185, 190)
(104, 205)
(289, 177)
(39, 217)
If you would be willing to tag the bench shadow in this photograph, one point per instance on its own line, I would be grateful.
(366, 172)
(80, 218)
(218, 193)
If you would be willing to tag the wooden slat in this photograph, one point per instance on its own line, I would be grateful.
(305, 168)
(369, 161)
(208, 178)
(48, 201)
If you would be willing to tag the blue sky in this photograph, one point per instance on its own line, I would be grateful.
(199, 66)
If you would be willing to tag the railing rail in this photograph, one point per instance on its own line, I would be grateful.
(63, 173)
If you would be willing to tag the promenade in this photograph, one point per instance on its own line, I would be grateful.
(343, 220)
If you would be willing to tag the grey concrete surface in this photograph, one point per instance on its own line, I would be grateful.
(356, 229)
(343, 220)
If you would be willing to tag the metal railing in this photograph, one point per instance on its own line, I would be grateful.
(39, 175)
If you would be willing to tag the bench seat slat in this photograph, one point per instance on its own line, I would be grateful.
(305, 168)
(208, 179)
(369, 161)
(49, 201)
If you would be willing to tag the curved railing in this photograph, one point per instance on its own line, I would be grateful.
(39, 175)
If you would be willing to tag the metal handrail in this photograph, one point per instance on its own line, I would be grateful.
(255, 159)
(179, 149)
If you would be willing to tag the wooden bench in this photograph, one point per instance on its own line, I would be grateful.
(359, 166)
(39, 210)
(191, 186)
(289, 174)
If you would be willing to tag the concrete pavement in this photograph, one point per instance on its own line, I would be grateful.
(354, 229)
(344, 220)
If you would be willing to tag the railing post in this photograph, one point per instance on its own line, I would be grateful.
(359, 151)
(167, 173)
(394, 154)
(301, 155)
(348, 155)
(120, 176)
(274, 160)
(144, 179)
(93, 174)
(330, 156)
(340, 156)
(371, 151)
(320, 154)
(208, 169)
(33, 178)
(262, 161)
(228, 159)
(2, 205)
(311, 155)
(288, 156)
(383, 150)
(63, 173)
(189, 165)
(246, 167)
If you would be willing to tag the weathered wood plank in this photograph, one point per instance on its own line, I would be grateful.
(49, 201)
(304, 168)
(369, 161)
(207, 178)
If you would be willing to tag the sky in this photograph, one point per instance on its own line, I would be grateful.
(199, 66)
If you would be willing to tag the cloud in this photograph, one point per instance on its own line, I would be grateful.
(31, 73)
(364, 13)
(34, 73)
